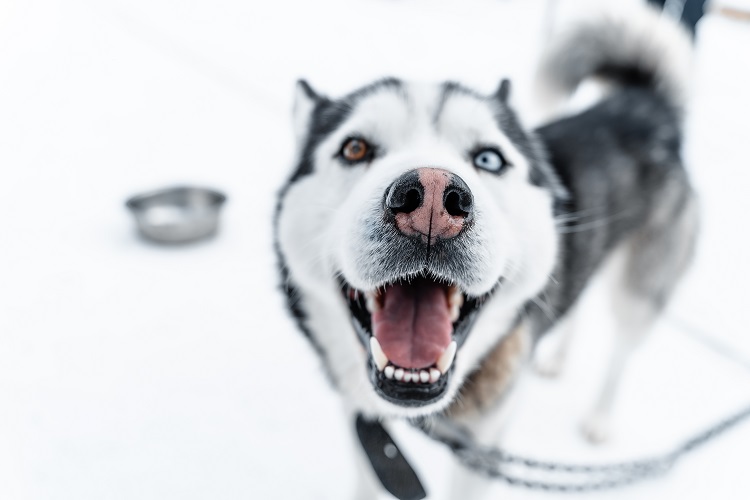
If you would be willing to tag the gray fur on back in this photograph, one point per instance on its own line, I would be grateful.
(622, 46)
(621, 162)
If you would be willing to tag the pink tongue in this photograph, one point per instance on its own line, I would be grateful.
(413, 326)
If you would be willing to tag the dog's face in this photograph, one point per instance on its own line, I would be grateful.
(418, 222)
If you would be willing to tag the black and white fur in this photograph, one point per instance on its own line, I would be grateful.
(603, 186)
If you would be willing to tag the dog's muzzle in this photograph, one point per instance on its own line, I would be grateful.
(417, 316)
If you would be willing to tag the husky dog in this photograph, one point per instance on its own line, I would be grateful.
(427, 241)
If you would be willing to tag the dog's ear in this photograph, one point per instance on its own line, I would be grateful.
(305, 102)
(503, 91)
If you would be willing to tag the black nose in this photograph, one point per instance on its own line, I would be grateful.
(430, 202)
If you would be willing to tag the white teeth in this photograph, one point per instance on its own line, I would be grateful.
(454, 312)
(455, 301)
(372, 302)
(381, 360)
(429, 375)
(446, 359)
(424, 376)
(455, 296)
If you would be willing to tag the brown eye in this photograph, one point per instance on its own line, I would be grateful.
(355, 150)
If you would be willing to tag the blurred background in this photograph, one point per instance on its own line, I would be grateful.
(134, 371)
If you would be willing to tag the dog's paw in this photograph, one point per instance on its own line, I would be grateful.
(549, 359)
(549, 367)
(597, 428)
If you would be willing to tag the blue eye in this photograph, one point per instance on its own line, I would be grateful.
(490, 160)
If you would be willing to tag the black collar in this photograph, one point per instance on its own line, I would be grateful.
(389, 464)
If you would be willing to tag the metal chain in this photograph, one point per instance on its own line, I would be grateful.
(575, 478)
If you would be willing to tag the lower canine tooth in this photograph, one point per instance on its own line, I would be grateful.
(455, 311)
(455, 301)
(456, 297)
(381, 360)
(372, 302)
(446, 359)
(389, 371)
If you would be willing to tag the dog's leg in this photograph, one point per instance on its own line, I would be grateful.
(552, 351)
(596, 427)
(646, 269)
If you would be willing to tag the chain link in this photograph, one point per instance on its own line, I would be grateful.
(573, 478)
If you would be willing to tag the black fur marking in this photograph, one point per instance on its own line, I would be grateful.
(449, 89)
(293, 301)
(541, 172)
(503, 91)
(327, 116)
(308, 90)
(616, 159)
(630, 76)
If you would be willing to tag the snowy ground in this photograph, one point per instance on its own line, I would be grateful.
(131, 371)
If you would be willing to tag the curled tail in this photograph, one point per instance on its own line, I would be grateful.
(624, 47)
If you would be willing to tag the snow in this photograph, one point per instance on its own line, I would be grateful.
(129, 370)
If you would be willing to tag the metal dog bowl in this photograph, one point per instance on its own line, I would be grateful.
(177, 215)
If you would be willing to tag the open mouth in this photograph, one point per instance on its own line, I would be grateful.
(412, 328)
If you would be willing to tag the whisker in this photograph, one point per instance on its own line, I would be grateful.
(593, 224)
